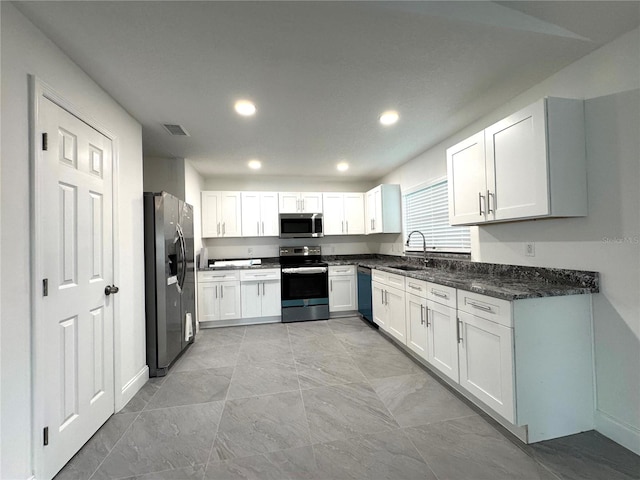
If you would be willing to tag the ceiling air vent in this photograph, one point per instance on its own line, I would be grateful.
(176, 130)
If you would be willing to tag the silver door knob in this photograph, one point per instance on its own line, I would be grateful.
(109, 289)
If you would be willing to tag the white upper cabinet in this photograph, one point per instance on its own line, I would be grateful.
(343, 213)
(383, 210)
(304, 202)
(531, 164)
(221, 214)
(259, 214)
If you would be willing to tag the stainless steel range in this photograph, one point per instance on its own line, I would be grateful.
(305, 284)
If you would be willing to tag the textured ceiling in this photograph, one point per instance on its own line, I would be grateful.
(320, 73)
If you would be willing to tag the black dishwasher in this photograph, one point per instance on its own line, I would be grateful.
(364, 294)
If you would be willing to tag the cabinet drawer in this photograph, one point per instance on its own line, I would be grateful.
(494, 309)
(260, 274)
(338, 270)
(389, 279)
(218, 276)
(416, 287)
(441, 294)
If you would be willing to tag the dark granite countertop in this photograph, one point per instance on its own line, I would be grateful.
(270, 264)
(509, 282)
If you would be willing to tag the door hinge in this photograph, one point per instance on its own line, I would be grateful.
(45, 141)
(45, 435)
(45, 287)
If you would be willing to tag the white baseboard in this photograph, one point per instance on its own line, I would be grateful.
(132, 387)
(626, 435)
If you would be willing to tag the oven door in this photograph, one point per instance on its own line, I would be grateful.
(305, 286)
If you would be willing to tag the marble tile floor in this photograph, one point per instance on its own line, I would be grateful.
(320, 401)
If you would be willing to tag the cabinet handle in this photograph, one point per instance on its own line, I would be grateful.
(342, 228)
(347, 222)
(331, 285)
(374, 223)
(218, 229)
(421, 315)
(489, 195)
(480, 197)
(221, 291)
(258, 288)
(216, 291)
(262, 228)
(258, 227)
(223, 228)
(414, 287)
(484, 308)
(439, 294)
(459, 330)
(428, 310)
(263, 294)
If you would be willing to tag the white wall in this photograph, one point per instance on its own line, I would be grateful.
(26, 51)
(164, 174)
(193, 185)
(609, 79)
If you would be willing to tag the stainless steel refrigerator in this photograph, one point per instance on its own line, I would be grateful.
(169, 279)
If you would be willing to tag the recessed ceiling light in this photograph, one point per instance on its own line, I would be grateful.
(255, 164)
(389, 118)
(245, 108)
(342, 166)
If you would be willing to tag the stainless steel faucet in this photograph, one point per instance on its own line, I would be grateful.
(424, 245)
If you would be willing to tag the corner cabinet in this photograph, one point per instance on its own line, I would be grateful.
(383, 212)
(221, 214)
(529, 165)
(343, 213)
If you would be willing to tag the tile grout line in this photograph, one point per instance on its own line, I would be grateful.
(304, 408)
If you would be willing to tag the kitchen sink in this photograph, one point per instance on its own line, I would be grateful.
(406, 268)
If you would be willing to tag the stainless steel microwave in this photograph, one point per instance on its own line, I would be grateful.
(301, 225)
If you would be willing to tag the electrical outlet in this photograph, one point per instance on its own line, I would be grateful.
(530, 249)
(250, 251)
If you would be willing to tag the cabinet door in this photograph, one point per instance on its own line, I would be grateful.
(416, 312)
(229, 300)
(396, 324)
(210, 214)
(370, 211)
(467, 181)
(251, 299)
(486, 363)
(517, 169)
(269, 214)
(353, 213)
(443, 340)
(342, 293)
(378, 305)
(289, 202)
(270, 298)
(251, 226)
(208, 304)
(231, 214)
(311, 202)
(333, 214)
(374, 202)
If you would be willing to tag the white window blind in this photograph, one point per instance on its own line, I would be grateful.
(427, 210)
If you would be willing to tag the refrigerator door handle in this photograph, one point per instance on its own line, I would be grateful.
(183, 250)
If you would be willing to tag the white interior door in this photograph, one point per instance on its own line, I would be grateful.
(74, 386)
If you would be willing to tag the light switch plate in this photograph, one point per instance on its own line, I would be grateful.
(530, 249)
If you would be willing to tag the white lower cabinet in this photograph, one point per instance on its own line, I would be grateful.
(343, 289)
(388, 302)
(416, 316)
(218, 296)
(443, 342)
(260, 293)
(486, 362)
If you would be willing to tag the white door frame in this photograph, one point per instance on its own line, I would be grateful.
(39, 91)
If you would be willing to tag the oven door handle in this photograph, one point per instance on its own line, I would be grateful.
(303, 270)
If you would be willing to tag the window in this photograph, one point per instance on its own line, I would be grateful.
(426, 209)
